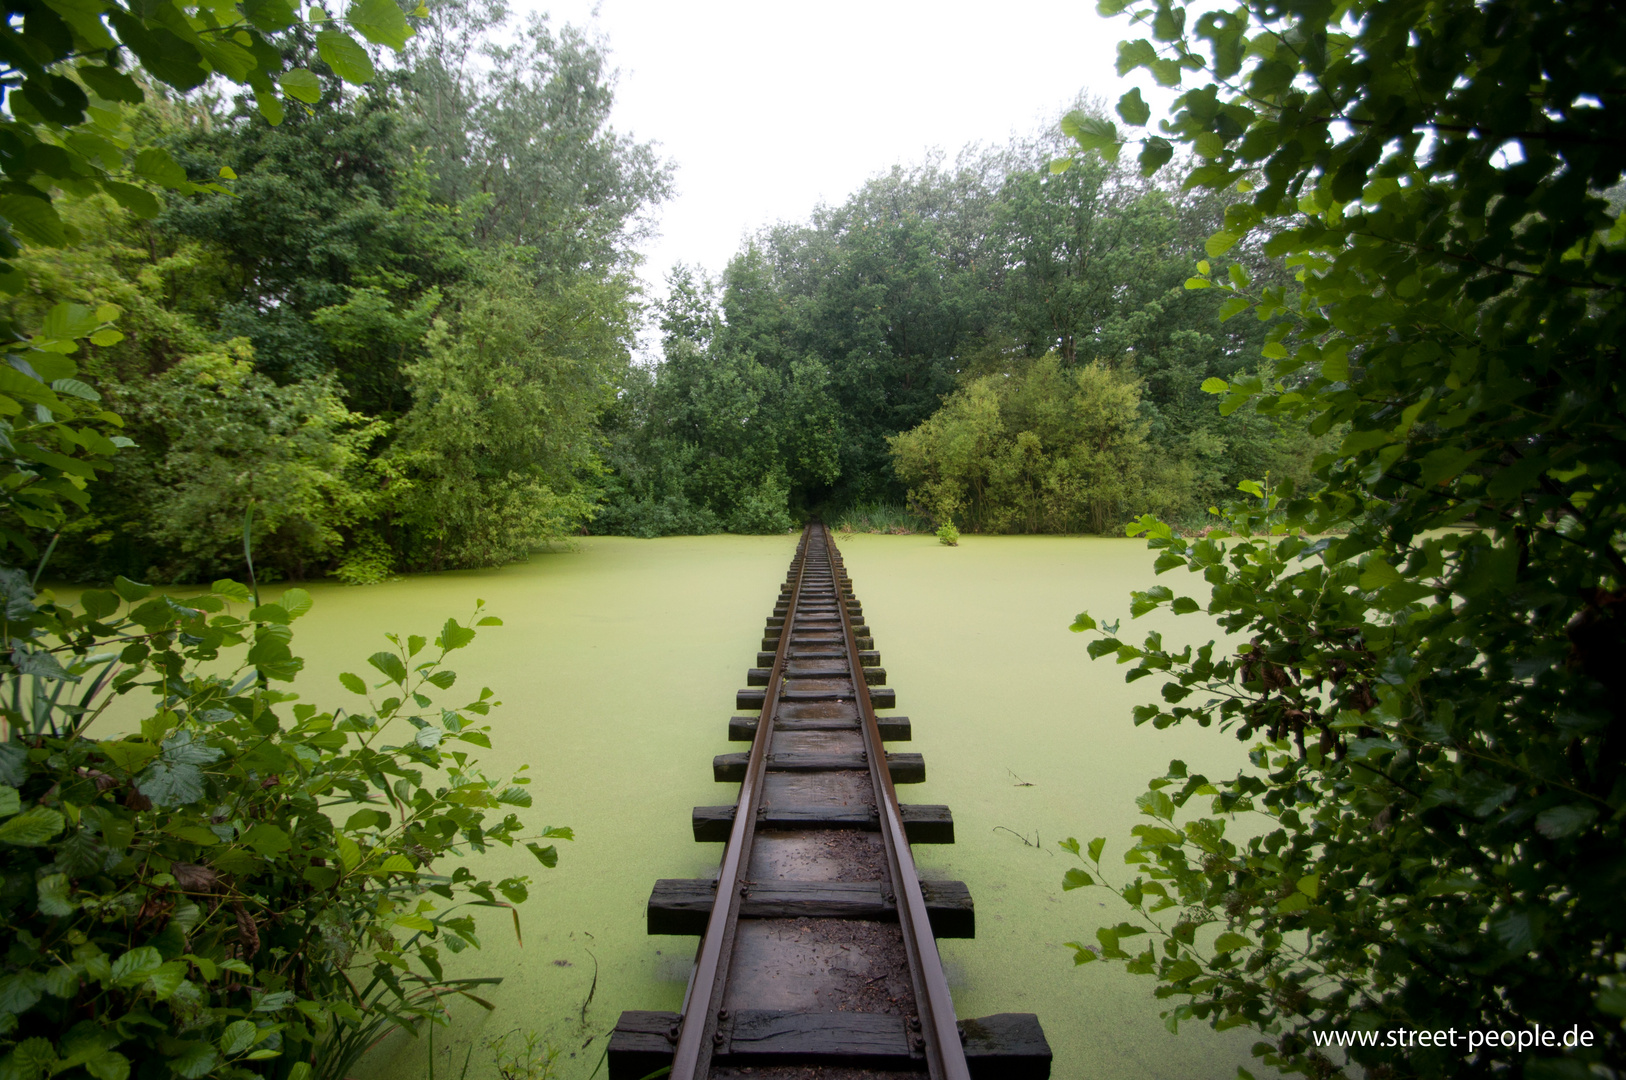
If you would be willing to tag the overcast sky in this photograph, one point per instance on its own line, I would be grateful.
(769, 108)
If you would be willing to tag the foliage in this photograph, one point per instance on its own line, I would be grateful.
(244, 885)
(64, 126)
(1051, 450)
(714, 439)
(230, 436)
(350, 256)
(497, 453)
(50, 424)
(948, 535)
(1436, 685)
(925, 280)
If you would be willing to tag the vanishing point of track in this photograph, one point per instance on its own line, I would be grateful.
(818, 952)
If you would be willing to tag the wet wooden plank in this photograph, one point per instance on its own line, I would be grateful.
(856, 1040)
(923, 823)
(754, 697)
(758, 676)
(893, 728)
(682, 905)
(1005, 1046)
(641, 1043)
(905, 768)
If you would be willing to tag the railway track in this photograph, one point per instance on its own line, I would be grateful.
(818, 952)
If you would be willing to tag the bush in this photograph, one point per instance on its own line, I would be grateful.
(1424, 650)
(948, 536)
(1049, 450)
(245, 885)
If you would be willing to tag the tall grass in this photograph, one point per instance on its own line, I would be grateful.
(881, 518)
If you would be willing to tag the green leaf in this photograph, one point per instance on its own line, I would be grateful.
(195, 1061)
(129, 757)
(301, 84)
(352, 683)
(166, 980)
(380, 22)
(156, 164)
(269, 104)
(391, 665)
(345, 56)
(547, 856)
(1296, 902)
(53, 890)
(1557, 822)
(267, 839)
(349, 852)
(238, 1036)
(1134, 109)
(33, 827)
(453, 636)
(35, 220)
(1076, 879)
(1155, 153)
(10, 801)
(270, 15)
(193, 834)
(228, 589)
(367, 819)
(1230, 942)
(135, 966)
(131, 591)
(1090, 132)
(271, 613)
(75, 388)
(139, 201)
(108, 1065)
(1096, 847)
(111, 83)
(295, 602)
(99, 603)
(1220, 243)
(171, 785)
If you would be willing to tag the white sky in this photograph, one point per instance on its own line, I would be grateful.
(769, 108)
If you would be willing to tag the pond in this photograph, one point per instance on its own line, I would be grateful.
(618, 665)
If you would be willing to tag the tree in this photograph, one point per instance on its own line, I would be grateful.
(65, 131)
(1434, 681)
(1052, 449)
(497, 454)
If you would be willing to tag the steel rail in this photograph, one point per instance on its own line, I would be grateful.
(697, 1032)
(939, 1035)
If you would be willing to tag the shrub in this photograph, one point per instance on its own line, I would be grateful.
(1049, 450)
(245, 885)
(948, 536)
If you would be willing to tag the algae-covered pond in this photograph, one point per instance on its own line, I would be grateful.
(618, 665)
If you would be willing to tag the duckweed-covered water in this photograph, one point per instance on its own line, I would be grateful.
(618, 665)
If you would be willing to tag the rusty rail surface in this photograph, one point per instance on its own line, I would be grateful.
(818, 937)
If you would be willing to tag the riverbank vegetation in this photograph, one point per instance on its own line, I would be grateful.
(233, 885)
(1430, 833)
(392, 330)
(858, 356)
